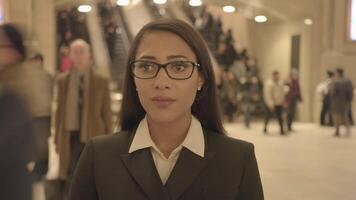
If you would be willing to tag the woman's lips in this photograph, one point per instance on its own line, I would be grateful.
(162, 101)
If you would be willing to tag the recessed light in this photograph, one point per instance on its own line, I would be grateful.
(260, 18)
(229, 9)
(195, 3)
(308, 21)
(123, 2)
(84, 8)
(160, 1)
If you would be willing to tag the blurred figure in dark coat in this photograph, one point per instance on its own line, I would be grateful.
(16, 149)
(341, 95)
(16, 97)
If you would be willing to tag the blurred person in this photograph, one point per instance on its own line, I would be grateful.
(80, 29)
(172, 144)
(226, 55)
(218, 31)
(42, 121)
(248, 92)
(228, 95)
(110, 33)
(251, 67)
(274, 94)
(65, 63)
(16, 147)
(15, 74)
(341, 96)
(323, 91)
(293, 96)
(229, 39)
(64, 26)
(84, 108)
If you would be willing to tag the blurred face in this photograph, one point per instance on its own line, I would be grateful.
(80, 56)
(251, 62)
(163, 98)
(294, 76)
(8, 54)
(276, 77)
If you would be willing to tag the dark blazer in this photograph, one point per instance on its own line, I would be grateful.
(106, 171)
(16, 149)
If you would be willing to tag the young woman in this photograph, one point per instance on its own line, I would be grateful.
(172, 144)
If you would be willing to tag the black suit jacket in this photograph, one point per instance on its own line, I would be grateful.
(106, 171)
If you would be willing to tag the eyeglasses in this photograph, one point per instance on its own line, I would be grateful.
(178, 70)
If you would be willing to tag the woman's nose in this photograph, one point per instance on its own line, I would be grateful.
(162, 80)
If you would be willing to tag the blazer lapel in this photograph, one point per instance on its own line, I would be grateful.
(186, 170)
(142, 168)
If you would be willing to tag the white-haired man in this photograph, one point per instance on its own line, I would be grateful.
(83, 108)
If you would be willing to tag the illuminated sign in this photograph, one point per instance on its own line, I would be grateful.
(353, 21)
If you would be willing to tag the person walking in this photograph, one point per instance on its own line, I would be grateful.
(42, 122)
(83, 111)
(323, 91)
(274, 95)
(293, 96)
(341, 96)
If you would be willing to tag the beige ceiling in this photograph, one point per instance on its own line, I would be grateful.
(275, 9)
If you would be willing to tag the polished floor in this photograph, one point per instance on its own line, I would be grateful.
(308, 164)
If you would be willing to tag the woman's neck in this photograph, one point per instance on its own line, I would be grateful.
(169, 135)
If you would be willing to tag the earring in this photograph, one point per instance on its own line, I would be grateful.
(199, 88)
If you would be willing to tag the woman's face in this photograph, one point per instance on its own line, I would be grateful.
(8, 54)
(165, 99)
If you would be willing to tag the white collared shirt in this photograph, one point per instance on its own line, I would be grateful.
(194, 141)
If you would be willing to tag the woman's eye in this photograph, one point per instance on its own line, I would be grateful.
(146, 66)
(179, 66)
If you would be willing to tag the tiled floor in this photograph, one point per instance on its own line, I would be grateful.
(308, 164)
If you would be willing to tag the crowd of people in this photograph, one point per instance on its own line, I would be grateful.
(27, 91)
(241, 88)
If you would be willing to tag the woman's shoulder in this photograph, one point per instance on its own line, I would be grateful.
(227, 144)
(118, 142)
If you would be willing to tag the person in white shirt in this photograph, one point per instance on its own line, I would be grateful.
(274, 96)
(172, 144)
(323, 90)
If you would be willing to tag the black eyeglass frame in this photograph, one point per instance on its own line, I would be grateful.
(164, 66)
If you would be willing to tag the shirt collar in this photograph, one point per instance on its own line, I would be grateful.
(194, 141)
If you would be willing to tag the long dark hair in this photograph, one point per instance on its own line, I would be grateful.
(205, 106)
(15, 37)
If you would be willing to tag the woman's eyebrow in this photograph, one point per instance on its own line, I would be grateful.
(147, 57)
(176, 56)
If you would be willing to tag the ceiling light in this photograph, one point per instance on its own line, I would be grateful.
(123, 2)
(160, 1)
(308, 21)
(195, 3)
(84, 8)
(260, 18)
(229, 9)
